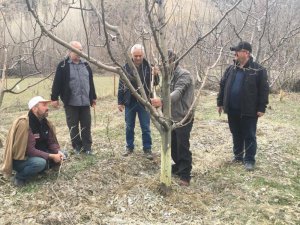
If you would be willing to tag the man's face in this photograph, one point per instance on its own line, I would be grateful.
(41, 110)
(73, 56)
(137, 57)
(242, 55)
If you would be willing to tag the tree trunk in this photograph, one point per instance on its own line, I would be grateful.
(165, 177)
(3, 77)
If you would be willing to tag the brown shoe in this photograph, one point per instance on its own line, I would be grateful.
(183, 182)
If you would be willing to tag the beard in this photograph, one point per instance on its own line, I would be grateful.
(43, 115)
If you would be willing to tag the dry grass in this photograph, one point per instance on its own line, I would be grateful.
(111, 189)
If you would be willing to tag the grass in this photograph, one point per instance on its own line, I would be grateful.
(104, 86)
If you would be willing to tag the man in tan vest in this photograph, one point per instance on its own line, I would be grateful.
(31, 145)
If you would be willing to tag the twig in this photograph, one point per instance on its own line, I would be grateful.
(62, 205)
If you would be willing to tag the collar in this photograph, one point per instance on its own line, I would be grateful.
(81, 61)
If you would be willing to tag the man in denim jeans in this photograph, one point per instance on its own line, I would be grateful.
(132, 107)
(31, 145)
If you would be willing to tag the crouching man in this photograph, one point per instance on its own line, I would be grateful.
(31, 144)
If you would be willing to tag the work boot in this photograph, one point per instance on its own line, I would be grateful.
(77, 150)
(127, 152)
(88, 151)
(18, 182)
(184, 182)
(148, 154)
(237, 160)
(249, 166)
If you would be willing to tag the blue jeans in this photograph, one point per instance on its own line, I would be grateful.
(29, 167)
(144, 117)
(243, 129)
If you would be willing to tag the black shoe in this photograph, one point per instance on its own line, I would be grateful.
(237, 160)
(127, 152)
(18, 182)
(77, 150)
(249, 166)
(89, 152)
(148, 155)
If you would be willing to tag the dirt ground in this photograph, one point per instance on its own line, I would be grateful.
(110, 189)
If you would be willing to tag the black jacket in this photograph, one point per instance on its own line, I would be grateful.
(124, 94)
(255, 88)
(60, 86)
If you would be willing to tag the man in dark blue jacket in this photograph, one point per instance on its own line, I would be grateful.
(132, 107)
(243, 95)
(73, 83)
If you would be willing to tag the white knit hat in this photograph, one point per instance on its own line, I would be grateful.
(35, 100)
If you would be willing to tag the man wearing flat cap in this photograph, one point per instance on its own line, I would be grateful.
(31, 144)
(243, 95)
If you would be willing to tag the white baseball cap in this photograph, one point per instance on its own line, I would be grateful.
(35, 100)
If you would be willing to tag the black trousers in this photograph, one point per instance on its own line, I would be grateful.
(180, 151)
(79, 123)
(243, 130)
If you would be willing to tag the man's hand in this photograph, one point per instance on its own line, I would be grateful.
(63, 156)
(156, 102)
(260, 114)
(220, 110)
(57, 158)
(121, 108)
(55, 104)
(94, 103)
(155, 70)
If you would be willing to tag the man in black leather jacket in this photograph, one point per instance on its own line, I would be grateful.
(132, 107)
(243, 95)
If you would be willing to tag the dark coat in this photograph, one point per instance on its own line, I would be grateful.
(124, 94)
(255, 88)
(60, 86)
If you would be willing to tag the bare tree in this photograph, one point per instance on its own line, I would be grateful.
(155, 12)
(18, 52)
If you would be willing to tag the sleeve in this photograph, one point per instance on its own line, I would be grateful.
(182, 83)
(156, 80)
(57, 83)
(32, 151)
(223, 81)
(263, 91)
(121, 92)
(52, 144)
(93, 95)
